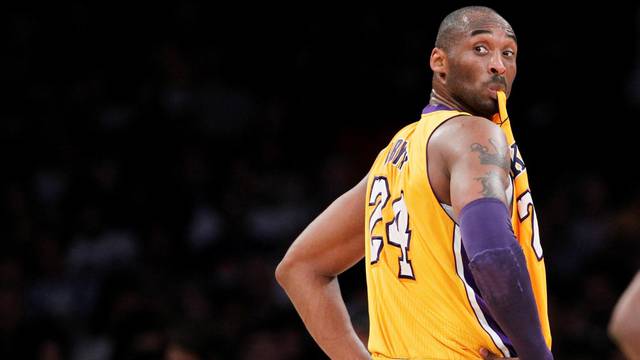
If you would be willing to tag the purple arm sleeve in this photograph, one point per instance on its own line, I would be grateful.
(499, 268)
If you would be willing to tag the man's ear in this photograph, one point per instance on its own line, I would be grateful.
(439, 64)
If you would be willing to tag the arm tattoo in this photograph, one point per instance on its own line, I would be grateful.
(491, 185)
(486, 158)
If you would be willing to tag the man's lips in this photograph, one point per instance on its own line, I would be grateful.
(496, 87)
(493, 89)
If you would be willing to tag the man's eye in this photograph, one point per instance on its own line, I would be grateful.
(480, 49)
(508, 53)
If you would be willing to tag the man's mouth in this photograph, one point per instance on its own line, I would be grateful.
(496, 87)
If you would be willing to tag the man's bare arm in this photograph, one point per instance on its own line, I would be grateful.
(331, 244)
(624, 327)
(478, 162)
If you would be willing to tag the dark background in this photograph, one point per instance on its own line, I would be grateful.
(157, 162)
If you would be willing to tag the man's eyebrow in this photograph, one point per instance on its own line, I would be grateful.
(483, 31)
(478, 32)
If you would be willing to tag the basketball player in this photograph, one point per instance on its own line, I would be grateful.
(449, 233)
(624, 327)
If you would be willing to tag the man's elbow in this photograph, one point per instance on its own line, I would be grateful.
(294, 271)
(624, 327)
(284, 271)
(614, 329)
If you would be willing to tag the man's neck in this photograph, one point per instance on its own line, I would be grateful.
(438, 99)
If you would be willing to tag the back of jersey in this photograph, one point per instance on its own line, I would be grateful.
(423, 302)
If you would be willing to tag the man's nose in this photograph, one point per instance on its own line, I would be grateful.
(496, 65)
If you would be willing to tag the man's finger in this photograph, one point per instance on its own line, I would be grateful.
(486, 355)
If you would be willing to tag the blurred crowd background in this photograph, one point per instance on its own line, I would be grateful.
(157, 162)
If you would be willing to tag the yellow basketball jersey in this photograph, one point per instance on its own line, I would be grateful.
(423, 301)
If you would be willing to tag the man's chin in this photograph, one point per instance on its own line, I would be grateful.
(488, 109)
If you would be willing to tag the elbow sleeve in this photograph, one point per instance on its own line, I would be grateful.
(499, 268)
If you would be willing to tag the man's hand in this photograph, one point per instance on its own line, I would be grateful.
(487, 355)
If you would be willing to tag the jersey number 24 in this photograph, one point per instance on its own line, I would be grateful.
(397, 230)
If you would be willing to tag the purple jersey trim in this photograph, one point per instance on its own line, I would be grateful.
(434, 107)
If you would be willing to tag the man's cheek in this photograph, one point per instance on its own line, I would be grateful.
(467, 75)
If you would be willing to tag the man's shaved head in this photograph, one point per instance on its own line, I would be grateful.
(462, 20)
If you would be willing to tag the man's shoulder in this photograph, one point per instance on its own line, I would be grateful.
(463, 137)
(466, 123)
(461, 129)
